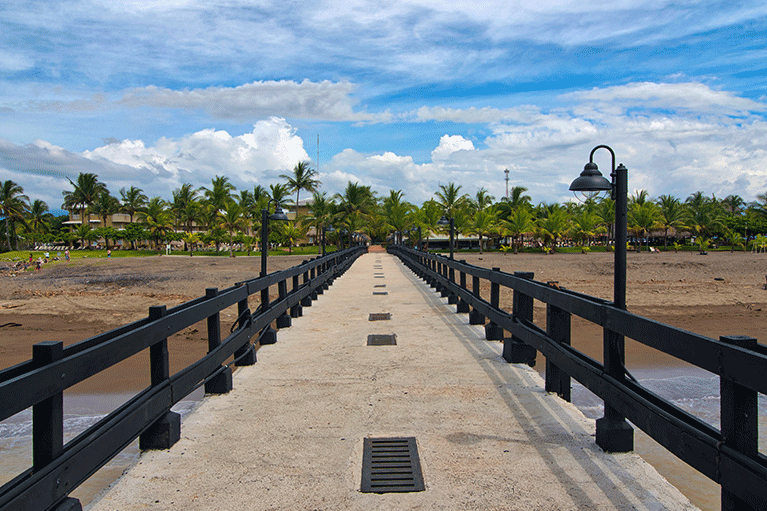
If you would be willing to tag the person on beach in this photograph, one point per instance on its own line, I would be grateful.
(66, 255)
(109, 254)
(30, 257)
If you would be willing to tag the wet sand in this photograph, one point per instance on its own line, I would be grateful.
(717, 294)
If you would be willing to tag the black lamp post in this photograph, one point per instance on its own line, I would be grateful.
(444, 221)
(269, 336)
(614, 434)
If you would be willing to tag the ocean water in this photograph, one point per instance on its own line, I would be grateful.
(695, 391)
(81, 411)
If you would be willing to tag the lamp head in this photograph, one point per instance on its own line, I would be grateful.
(590, 183)
(443, 221)
(278, 214)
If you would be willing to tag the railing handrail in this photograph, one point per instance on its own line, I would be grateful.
(732, 460)
(29, 383)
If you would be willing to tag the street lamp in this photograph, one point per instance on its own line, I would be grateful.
(443, 222)
(614, 434)
(269, 336)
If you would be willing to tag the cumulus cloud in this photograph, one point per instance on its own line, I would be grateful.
(449, 144)
(257, 157)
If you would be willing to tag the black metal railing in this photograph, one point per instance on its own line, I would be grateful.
(729, 456)
(58, 468)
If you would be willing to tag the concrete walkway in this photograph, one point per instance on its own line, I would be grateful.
(290, 434)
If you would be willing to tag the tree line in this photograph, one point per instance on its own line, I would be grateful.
(220, 214)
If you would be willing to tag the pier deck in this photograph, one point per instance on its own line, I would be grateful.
(290, 434)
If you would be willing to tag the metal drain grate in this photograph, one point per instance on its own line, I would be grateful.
(382, 340)
(380, 285)
(379, 316)
(391, 465)
(380, 292)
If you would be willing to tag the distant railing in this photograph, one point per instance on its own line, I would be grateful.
(59, 468)
(729, 456)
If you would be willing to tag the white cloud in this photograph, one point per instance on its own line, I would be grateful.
(449, 144)
(307, 100)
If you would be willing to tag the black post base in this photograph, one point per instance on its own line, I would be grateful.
(517, 352)
(615, 435)
(162, 434)
(462, 307)
(475, 318)
(269, 337)
(493, 332)
(284, 321)
(221, 383)
(248, 354)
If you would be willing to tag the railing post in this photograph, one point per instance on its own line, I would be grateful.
(444, 289)
(614, 433)
(475, 318)
(296, 311)
(312, 276)
(321, 271)
(558, 328)
(462, 306)
(48, 421)
(739, 416)
(515, 351)
(246, 355)
(452, 298)
(283, 320)
(166, 431)
(306, 301)
(222, 382)
(493, 332)
(48, 414)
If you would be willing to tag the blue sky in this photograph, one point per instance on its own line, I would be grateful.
(403, 95)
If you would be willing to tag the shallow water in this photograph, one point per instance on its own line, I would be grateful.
(81, 411)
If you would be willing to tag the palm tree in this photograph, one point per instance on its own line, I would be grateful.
(644, 217)
(450, 199)
(733, 204)
(554, 225)
(133, 200)
(585, 224)
(86, 190)
(483, 224)
(38, 218)
(672, 213)
(232, 220)
(190, 238)
(105, 206)
(397, 211)
(482, 200)
(158, 219)
(355, 205)
(13, 205)
(426, 217)
(220, 192)
(184, 206)
(290, 234)
(704, 215)
(278, 192)
(321, 211)
(84, 233)
(303, 178)
(518, 223)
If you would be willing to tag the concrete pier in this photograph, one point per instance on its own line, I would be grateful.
(290, 434)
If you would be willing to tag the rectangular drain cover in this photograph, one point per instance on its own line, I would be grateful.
(379, 316)
(391, 465)
(382, 340)
(380, 292)
(380, 285)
